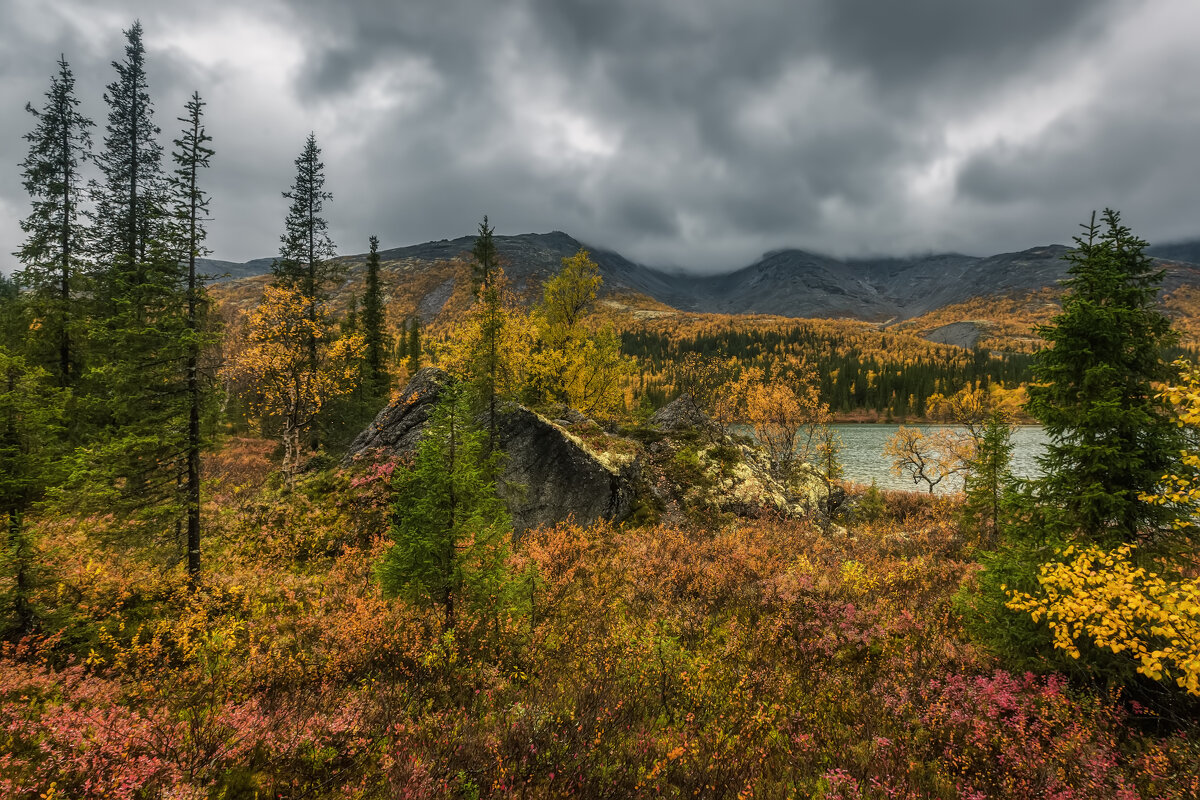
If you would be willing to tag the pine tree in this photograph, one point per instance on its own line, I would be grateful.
(305, 246)
(191, 154)
(31, 461)
(135, 466)
(484, 272)
(1111, 437)
(414, 346)
(53, 252)
(450, 526)
(374, 335)
(130, 202)
(988, 480)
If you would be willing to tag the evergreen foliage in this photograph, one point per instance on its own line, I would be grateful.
(374, 334)
(486, 361)
(53, 253)
(32, 450)
(190, 155)
(135, 464)
(1111, 437)
(450, 527)
(414, 346)
(988, 480)
(130, 200)
(305, 246)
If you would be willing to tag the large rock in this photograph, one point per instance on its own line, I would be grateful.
(549, 474)
(397, 428)
(682, 414)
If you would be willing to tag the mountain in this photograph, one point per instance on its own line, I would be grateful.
(789, 283)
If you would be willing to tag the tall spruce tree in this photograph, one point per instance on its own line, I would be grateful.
(53, 252)
(375, 337)
(305, 246)
(450, 527)
(414, 346)
(483, 274)
(191, 154)
(130, 201)
(135, 466)
(1111, 437)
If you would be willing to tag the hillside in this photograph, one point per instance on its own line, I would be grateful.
(787, 283)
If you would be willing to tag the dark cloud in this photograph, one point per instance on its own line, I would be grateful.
(698, 133)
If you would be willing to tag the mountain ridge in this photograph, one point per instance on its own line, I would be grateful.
(786, 282)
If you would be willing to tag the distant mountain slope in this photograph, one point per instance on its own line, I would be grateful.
(790, 283)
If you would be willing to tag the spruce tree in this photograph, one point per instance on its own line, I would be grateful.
(130, 200)
(378, 380)
(450, 525)
(988, 479)
(191, 154)
(1111, 437)
(31, 461)
(135, 465)
(483, 273)
(305, 246)
(53, 252)
(414, 346)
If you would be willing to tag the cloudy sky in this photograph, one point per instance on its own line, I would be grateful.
(697, 134)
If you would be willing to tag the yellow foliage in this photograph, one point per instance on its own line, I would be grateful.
(285, 332)
(1105, 597)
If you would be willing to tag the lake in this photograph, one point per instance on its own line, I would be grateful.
(863, 459)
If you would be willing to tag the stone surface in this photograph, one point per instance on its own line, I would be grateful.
(549, 475)
(682, 414)
(397, 428)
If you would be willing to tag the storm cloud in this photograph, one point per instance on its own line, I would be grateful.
(695, 134)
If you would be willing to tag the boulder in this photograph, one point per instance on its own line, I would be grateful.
(681, 414)
(549, 475)
(397, 428)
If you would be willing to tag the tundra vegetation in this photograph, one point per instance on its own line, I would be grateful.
(375, 629)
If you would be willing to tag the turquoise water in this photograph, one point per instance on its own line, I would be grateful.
(863, 459)
(862, 455)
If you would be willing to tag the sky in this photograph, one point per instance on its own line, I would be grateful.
(695, 134)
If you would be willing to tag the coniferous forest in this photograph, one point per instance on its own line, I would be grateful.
(222, 575)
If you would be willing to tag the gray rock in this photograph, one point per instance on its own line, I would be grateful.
(683, 413)
(397, 428)
(549, 475)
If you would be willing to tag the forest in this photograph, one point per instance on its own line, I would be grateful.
(202, 595)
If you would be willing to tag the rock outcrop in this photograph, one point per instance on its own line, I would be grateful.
(549, 475)
(397, 428)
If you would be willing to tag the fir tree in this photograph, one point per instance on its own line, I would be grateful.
(988, 479)
(31, 461)
(450, 527)
(374, 335)
(130, 201)
(53, 252)
(486, 373)
(1111, 437)
(414, 346)
(191, 155)
(305, 246)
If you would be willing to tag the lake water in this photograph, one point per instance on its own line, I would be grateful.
(863, 459)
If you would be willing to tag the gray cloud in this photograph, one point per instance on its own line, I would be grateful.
(698, 134)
